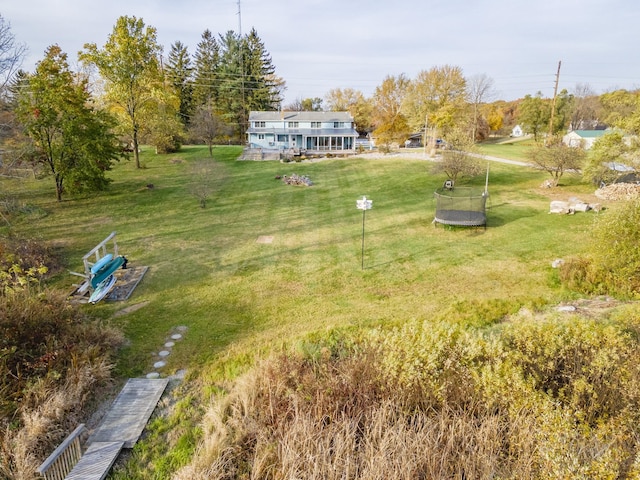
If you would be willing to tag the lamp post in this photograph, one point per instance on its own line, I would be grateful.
(363, 204)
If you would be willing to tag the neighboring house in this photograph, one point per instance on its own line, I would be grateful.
(517, 131)
(582, 138)
(302, 132)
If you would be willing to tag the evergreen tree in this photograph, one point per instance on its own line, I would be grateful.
(207, 64)
(179, 74)
(232, 92)
(261, 84)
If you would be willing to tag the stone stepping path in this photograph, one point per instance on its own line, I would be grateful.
(162, 356)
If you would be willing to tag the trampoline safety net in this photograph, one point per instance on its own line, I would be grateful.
(461, 206)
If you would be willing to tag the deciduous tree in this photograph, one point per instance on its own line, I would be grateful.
(311, 104)
(586, 111)
(207, 176)
(619, 106)
(354, 102)
(458, 160)
(162, 121)
(479, 90)
(534, 113)
(389, 122)
(556, 158)
(601, 157)
(129, 64)
(565, 103)
(495, 119)
(73, 140)
(11, 54)
(207, 126)
(436, 97)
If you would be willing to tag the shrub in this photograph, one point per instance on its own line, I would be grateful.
(613, 264)
(52, 359)
(24, 261)
(532, 398)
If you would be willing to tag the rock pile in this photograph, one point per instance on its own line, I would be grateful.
(572, 206)
(619, 191)
(295, 179)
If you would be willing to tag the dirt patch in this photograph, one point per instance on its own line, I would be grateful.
(131, 309)
(592, 307)
(265, 239)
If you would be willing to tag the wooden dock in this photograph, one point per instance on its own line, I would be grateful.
(120, 428)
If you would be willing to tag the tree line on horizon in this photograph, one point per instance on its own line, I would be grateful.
(77, 123)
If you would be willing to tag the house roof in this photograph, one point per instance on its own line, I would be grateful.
(589, 133)
(301, 116)
(309, 132)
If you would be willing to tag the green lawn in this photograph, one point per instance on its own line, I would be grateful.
(238, 296)
(509, 148)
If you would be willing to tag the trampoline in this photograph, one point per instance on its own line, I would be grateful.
(462, 206)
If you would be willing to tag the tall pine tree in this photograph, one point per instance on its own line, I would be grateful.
(232, 91)
(179, 73)
(264, 89)
(207, 64)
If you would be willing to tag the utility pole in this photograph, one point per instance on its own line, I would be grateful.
(553, 104)
(424, 142)
(240, 45)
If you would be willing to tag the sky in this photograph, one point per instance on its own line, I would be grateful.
(320, 45)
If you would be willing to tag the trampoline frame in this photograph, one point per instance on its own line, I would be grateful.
(470, 217)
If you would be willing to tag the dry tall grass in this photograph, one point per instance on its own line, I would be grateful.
(53, 359)
(351, 417)
(289, 420)
(49, 413)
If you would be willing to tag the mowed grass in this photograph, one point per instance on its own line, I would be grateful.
(239, 297)
(509, 148)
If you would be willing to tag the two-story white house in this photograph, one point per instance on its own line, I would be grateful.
(302, 132)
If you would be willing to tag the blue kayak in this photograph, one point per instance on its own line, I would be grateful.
(101, 263)
(106, 270)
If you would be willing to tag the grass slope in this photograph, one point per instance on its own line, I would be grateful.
(238, 296)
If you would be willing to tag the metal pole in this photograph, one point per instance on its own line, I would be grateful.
(362, 253)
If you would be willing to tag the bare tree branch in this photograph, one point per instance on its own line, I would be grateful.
(11, 54)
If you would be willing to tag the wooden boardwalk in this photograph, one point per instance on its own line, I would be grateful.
(120, 428)
(130, 411)
(96, 461)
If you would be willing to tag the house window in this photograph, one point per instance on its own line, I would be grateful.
(259, 124)
(293, 124)
(261, 136)
(338, 124)
(282, 138)
(316, 124)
